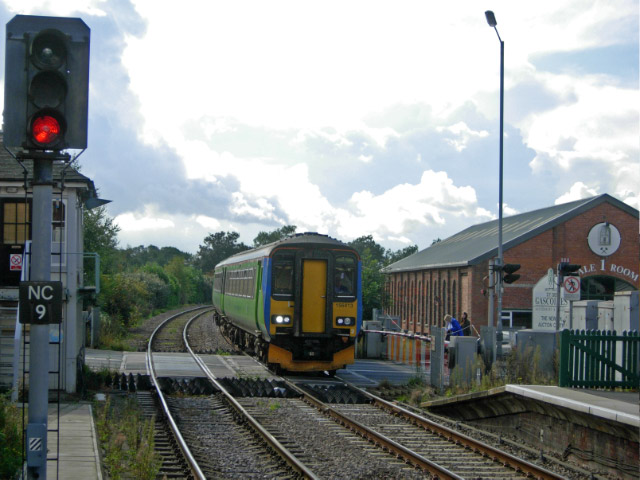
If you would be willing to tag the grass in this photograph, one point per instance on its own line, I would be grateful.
(126, 439)
(519, 368)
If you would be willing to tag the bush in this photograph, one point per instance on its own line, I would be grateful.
(124, 296)
(10, 439)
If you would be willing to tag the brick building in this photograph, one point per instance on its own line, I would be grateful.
(600, 233)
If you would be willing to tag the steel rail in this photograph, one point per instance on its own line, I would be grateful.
(379, 439)
(518, 464)
(193, 464)
(270, 439)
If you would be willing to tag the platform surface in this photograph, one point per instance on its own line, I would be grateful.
(79, 458)
(619, 406)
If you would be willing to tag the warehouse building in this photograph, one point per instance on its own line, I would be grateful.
(600, 234)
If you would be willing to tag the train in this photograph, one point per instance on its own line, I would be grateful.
(295, 304)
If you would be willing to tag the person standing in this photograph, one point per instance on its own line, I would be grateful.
(465, 324)
(453, 326)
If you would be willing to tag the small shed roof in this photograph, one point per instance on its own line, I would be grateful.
(12, 171)
(480, 242)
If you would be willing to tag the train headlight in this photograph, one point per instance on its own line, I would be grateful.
(340, 321)
(281, 319)
(345, 321)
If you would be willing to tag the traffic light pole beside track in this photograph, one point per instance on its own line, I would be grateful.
(45, 112)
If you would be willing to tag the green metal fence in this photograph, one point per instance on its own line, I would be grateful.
(599, 359)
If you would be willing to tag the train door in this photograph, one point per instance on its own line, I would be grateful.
(314, 295)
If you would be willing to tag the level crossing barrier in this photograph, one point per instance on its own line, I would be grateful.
(409, 348)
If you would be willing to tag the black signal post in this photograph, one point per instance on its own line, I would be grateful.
(46, 93)
(46, 83)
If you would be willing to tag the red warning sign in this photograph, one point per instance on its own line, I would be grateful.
(15, 262)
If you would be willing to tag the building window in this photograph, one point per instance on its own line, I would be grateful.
(445, 306)
(16, 222)
(454, 305)
(58, 232)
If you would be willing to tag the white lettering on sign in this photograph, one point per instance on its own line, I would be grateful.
(37, 292)
(619, 269)
(624, 271)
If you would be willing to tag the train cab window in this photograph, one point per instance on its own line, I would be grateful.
(344, 280)
(283, 268)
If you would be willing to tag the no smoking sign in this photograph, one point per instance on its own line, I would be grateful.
(15, 262)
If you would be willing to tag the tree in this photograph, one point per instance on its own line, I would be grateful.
(217, 247)
(374, 258)
(101, 237)
(393, 257)
(367, 243)
(100, 233)
(264, 238)
(136, 257)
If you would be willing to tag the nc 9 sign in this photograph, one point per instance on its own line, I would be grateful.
(40, 302)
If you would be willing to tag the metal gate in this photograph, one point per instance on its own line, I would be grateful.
(599, 359)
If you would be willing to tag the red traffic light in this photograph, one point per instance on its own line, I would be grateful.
(46, 130)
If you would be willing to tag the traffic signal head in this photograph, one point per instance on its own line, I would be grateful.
(565, 268)
(508, 270)
(46, 83)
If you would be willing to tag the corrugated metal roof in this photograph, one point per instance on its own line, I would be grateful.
(480, 242)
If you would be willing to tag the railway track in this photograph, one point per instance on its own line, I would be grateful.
(380, 440)
(212, 440)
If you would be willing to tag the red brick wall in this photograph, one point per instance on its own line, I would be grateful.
(536, 256)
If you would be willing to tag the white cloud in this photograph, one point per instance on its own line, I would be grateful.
(403, 209)
(331, 72)
(577, 191)
(208, 222)
(143, 221)
(462, 135)
(60, 7)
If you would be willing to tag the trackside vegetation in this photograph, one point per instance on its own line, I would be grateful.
(139, 282)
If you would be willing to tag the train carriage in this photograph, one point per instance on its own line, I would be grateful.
(295, 303)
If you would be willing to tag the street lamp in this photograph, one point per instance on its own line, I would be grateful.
(491, 20)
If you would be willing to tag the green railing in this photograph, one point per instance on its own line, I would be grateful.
(599, 359)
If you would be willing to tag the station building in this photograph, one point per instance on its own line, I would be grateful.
(72, 193)
(601, 234)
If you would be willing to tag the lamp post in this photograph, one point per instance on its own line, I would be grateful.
(491, 20)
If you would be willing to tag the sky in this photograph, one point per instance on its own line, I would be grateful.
(352, 118)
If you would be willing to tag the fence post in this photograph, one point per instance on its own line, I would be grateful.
(564, 373)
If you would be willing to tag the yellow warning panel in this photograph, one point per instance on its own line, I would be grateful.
(314, 295)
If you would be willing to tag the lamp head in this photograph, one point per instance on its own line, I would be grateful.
(491, 18)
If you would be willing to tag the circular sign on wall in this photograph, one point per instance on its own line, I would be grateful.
(604, 239)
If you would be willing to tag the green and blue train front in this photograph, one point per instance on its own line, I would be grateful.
(312, 307)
